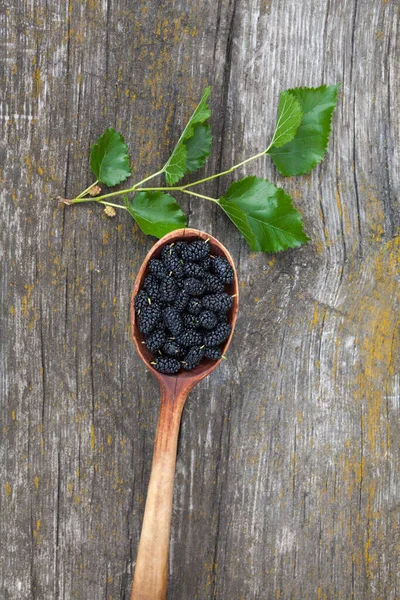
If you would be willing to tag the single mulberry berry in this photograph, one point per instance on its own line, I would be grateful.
(222, 269)
(172, 348)
(178, 247)
(181, 300)
(157, 268)
(213, 284)
(217, 302)
(173, 320)
(194, 306)
(205, 263)
(194, 287)
(217, 335)
(213, 353)
(196, 251)
(208, 319)
(168, 289)
(222, 318)
(168, 250)
(149, 318)
(189, 338)
(190, 321)
(193, 358)
(151, 285)
(155, 340)
(192, 269)
(174, 266)
(167, 365)
(141, 301)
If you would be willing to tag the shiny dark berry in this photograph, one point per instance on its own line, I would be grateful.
(205, 263)
(213, 352)
(172, 348)
(149, 317)
(181, 300)
(222, 269)
(213, 284)
(208, 319)
(218, 302)
(151, 285)
(173, 320)
(155, 340)
(217, 335)
(194, 306)
(179, 246)
(189, 338)
(157, 268)
(174, 266)
(141, 301)
(194, 287)
(192, 269)
(167, 251)
(168, 289)
(193, 358)
(196, 251)
(167, 365)
(190, 321)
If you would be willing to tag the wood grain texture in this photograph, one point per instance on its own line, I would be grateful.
(288, 459)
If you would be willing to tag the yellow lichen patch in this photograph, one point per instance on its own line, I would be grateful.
(36, 481)
(92, 438)
(8, 489)
(13, 415)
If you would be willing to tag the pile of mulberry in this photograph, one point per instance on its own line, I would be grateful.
(183, 306)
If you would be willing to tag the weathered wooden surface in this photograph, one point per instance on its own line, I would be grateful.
(288, 469)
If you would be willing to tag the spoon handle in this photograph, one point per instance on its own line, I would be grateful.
(150, 578)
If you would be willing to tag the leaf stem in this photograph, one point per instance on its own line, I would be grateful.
(87, 189)
(226, 172)
(144, 180)
(181, 188)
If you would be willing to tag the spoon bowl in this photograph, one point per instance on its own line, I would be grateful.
(150, 577)
(217, 249)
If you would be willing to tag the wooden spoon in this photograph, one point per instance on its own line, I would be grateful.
(150, 578)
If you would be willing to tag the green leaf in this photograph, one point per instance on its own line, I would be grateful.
(288, 120)
(309, 145)
(156, 213)
(264, 214)
(109, 159)
(198, 147)
(193, 146)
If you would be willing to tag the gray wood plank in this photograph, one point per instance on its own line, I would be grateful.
(288, 464)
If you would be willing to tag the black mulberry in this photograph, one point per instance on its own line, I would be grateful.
(208, 319)
(167, 365)
(149, 317)
(194, 287)
(218, 302)
(174, 266)
(141, 301)
(189, 338)
(193, 358)
(222, 269)
(192, 269)
(194, 306)
(196, 251)
(172, 348)
(181, 300)
(213, 353)
(155, 340)
(213, 284)
(217, 335)
(157, 268)
(173, 320)
(168, 289)
(190, 321)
